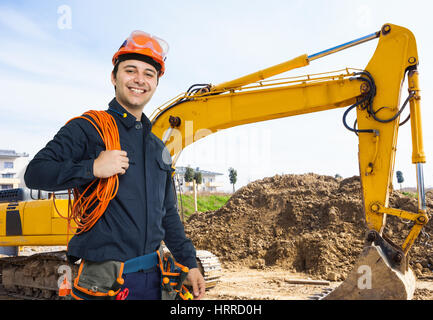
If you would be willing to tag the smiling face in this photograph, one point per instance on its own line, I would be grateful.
(135, 83)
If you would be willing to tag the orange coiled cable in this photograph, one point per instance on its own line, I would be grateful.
(106, 188)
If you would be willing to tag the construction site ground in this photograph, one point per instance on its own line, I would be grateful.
(275, 284)
(305, 226)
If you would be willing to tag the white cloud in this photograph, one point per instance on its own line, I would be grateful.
(33, 112)
(47, 101)
(21, 24)
(71, 66)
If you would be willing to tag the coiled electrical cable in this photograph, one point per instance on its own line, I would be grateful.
(86, 209)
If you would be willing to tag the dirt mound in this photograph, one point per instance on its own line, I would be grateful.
(305, 223)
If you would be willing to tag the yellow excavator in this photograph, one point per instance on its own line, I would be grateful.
(374, 93)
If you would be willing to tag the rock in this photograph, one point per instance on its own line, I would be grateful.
(259, 264)
(333, 276)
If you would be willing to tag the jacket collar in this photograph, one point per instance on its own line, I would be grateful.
(127, 118)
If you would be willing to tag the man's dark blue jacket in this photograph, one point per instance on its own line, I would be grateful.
(144, 211)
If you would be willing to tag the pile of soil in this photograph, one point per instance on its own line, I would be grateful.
(304, 223)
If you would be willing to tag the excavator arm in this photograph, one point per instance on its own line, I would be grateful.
(374, 92)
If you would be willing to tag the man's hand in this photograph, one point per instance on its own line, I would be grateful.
(110, 163)
(196, 280)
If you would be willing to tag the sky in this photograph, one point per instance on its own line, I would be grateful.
(55, 64)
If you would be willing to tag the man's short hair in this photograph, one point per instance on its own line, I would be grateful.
(136, 56)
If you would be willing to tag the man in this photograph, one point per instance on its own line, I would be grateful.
(144, 211)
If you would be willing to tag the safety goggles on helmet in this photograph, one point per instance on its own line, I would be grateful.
(146, 44)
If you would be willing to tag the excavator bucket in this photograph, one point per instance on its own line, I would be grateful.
(381, 273)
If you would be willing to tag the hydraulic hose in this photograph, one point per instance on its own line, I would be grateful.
(366, 102)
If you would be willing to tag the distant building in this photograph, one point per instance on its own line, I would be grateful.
(12, 167)
(209, 183)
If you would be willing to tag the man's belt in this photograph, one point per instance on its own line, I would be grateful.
(144, 263)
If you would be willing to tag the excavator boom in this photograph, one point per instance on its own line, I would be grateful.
(374, 92)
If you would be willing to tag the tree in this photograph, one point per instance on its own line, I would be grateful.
(198, 177)
(338, 176)
(189, 174)
(400, 178)
(233, 175)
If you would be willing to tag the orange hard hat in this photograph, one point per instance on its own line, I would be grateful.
(140, 42)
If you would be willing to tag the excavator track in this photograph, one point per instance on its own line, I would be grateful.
(210, 267)
(35, 277)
